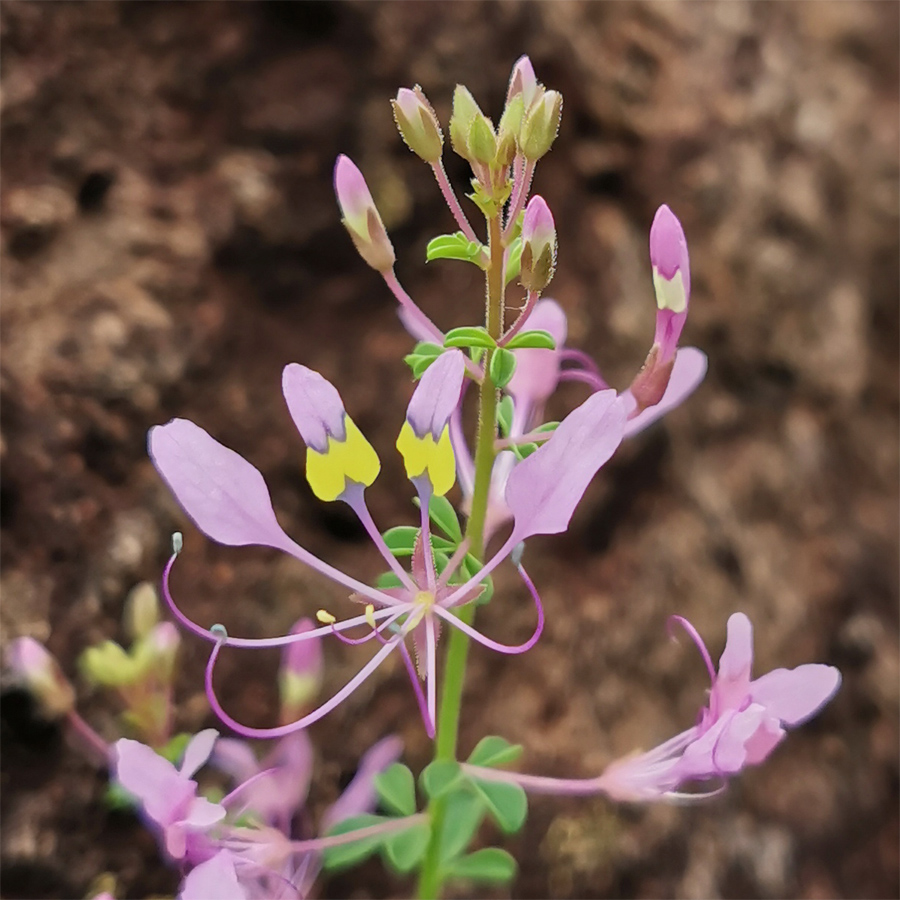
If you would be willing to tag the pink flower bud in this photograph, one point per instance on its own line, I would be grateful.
(538, 245)
(300, 675)
(418, 124)
(523, 82)
(360, 217)
(38, 671)
(669, 258)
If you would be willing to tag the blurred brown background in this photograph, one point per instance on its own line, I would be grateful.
(170, 240)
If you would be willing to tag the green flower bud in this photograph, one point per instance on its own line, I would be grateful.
(141, 610)
(109, 665)
(465, 109)
(482, 142)
(418, 124)
(541, 126)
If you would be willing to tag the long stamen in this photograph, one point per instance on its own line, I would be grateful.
(459, 595)
(495, 645)
(588, 378)
(314, 716)
(374, 633)
(228, 798)
(459, 554)
(694, 635)
(572, 354)
(354, 497)
(258, 643)
(427, 718)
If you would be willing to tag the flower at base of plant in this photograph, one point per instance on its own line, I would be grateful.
(742, 724)
(360, 217)
(39, 673)
(168, 795)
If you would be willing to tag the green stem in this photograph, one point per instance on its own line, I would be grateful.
(430, 879)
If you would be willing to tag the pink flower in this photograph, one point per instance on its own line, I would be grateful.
(743, 723)
(168, 795)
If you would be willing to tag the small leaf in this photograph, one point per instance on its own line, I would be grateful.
(396, 789)
(503, 366)
(490, 864)
(388, 580)
(505, 410)
(537, 340)
(401, 540)
(117, 798)
(494, 751)
(349, 854)
(506, 803)
(514, 260)
(442, 514)
(174, 749)
(463, 815)
(454, 246)
(470, 567)
(439, 777)
(468, 336)
(422, 356)
(405, 849)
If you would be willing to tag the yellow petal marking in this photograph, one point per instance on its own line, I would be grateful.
(425, 456)
(670, 294)
(353, 458)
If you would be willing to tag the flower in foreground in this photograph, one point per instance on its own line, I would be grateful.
(169, 795)
(228, 500)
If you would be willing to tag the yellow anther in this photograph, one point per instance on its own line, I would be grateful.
(353, 458)
(325, 617)
(427, 456)
(370, 615)
(424, 598)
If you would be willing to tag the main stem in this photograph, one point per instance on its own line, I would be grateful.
(458, 644)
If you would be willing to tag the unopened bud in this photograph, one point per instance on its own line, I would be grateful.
(360, 217)
(141, 610)
(465, 109)
(671, 280)
(523, 83)
(538, 260)
(508, 130)
(300, 674)
(482, 142)
(107, 664)
(541, 125)
(164, 641)
(37, 671)
(417, 123)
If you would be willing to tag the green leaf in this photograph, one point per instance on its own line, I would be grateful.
(349, 854)
(494, 751)
(174, 749)
(537, 340)
(117, 798)
(470, 567)
(388, 580)
(506, 803)
(442, 514)
(422, 356)
(505, 414)
(439, 777)
(454, 246)
(514, 260)
(405, 849)
(503, 366)
(396, 789)
(469, 336)
(464, 812)
(401, 540)
(490, 864)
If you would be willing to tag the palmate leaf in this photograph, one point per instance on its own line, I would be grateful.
(464, 812)
(440, 777)
(404, 850)
(494, 751)
(502, 367)
(455, 246)
(506, 803)
(469, 336)
(532, 340)
(442, 514)
(396, 789)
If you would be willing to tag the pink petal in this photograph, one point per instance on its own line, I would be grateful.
(437, 394)
(223, 494)
(537, 371)
(153, 780)
(236, 758)
(795, 695)
(544, 489)
(668, 247)
(203, 814)
(737, 657)
(315, 406)
(688, 372)
(215, 878)
(197, 751)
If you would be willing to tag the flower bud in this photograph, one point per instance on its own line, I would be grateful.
(417, 123)
(538, 245)
(523, 83)
(360, 217)
(300, 674)
(141, 610)
(465, 109)
(107, 664)
(164, 641)
(508, 130)
(481, 142)
(37, 671)
(541, 126)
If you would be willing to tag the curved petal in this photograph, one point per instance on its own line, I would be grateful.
(203, 814)
(235, 758)
(153, 780)
(197, 751)
(223, 494)
(795, 695)
(437, 394)
(737, 657)
(688, 372)
(537, 371)
(544, 489)
(214, 878)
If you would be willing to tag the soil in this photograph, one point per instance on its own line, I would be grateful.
(170, 241)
